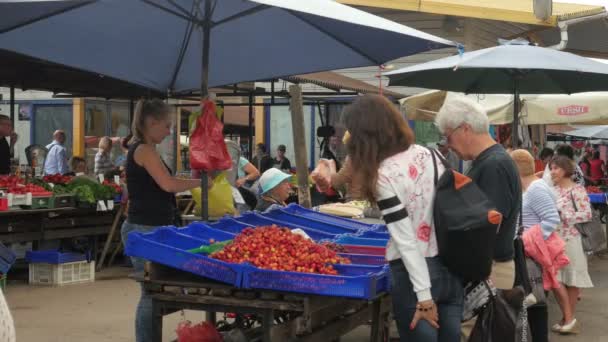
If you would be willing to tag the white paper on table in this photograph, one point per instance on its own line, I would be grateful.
(116, 179)
(110, 204)
(301, 232)
(101, 206)
(101, 178)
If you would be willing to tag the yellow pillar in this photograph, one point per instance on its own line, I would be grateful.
(78, 127)
(259, 123)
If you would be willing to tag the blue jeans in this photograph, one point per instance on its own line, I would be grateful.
(144, 330)
(447, 291)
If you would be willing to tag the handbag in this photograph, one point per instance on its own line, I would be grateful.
(535, 276)
(500, 320)
(476, 296)
(592, 233)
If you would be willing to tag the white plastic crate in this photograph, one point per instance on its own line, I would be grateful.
(62, 274)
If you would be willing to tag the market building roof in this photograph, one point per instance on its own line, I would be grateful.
(518, 11)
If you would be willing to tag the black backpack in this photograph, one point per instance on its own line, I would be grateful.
(466, 223)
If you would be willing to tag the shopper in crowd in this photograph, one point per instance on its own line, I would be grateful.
(262, 161)
(399, 178)
(585, 165)
(121, 160)
(7, 326)
(281, 162)
(7, 149)
(56, 159)
(539, 208)
(574, 207)
(247, 174)
(448, 154)
(274, 189)
(597, 168)
(78, 166)
(151, 189)
(332, 151)
(103, 159)
(545, 156)
(567, 151)
(465, 125)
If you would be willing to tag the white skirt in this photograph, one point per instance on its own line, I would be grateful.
(575, 274)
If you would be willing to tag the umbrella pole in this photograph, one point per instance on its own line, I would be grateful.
(204, 94)
(514, 129)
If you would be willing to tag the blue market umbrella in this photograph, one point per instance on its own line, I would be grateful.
(185, 46)
(513, 68)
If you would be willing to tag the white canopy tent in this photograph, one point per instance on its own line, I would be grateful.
(583, 108)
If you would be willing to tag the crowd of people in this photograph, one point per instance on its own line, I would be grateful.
(547, 201)
(384, 166)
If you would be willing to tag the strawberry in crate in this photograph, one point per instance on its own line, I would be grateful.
(278, 248)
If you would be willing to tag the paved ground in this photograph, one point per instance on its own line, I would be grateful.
(103, 311)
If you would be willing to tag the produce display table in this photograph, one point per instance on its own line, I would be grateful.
(47, 224)
(278, 316)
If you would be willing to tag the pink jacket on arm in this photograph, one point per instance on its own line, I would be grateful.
(550, 254)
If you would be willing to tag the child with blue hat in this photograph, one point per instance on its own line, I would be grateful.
(274, 189)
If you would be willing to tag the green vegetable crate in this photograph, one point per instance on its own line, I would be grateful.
(41, 202)
(62, 201)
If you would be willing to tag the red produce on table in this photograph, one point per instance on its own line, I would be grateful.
(277, 248)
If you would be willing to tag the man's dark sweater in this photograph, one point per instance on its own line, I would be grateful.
(496, 175)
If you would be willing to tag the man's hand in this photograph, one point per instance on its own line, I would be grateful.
(14, 137)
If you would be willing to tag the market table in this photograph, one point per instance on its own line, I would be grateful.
(282, 316)
(37, 225)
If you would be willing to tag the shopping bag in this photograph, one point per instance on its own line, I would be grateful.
(592, 232)
(208, 150)
(498, 322)
(220, 197)
(202, 332)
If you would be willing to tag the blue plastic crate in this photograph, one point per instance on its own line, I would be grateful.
(365, 259)
(53, 257)
(202, 231)
(7, 258)
(351, 240)
(374, 235)
(229, 224)
(597, 198)
(300, 221)
(336, 220)
(255, 219)
(353, 281)
(168, 247)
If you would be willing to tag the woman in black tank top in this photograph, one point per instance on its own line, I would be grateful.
(151, 189)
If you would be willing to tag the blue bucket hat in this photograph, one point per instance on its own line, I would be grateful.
(271, 178)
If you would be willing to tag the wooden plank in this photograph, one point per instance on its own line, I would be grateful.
(67, 233)
(230, 302)
(106, 247)
(339, 327)
(299, 141)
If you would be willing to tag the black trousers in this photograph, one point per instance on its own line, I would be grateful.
(538, 319)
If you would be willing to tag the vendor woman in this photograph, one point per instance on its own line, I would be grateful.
(274, 189)
(151, 190)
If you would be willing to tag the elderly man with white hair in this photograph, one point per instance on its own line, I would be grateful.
(56, 159)
(465, 125)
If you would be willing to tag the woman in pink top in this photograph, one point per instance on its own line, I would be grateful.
(597, 168)
(574, 207)
(427, 298)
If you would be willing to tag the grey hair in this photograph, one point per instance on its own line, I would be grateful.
(458, 110)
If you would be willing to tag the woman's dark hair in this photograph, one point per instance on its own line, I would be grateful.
(565, 150)
(282, 148)
(563, 163)
(377, 131)
(546, 153)
(596, 154)
(145, 109)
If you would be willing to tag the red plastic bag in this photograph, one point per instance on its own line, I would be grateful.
(208, 150)
(202, 332)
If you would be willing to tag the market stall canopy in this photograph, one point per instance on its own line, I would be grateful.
(335, 81)
(595, 132)
(505, 69)
(519, 11)
(583, 108)
(163, 51)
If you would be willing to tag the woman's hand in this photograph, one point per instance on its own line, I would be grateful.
(426, 310)
(240, 182)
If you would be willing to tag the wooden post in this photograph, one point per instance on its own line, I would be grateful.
(78, 129)
(299, 142)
